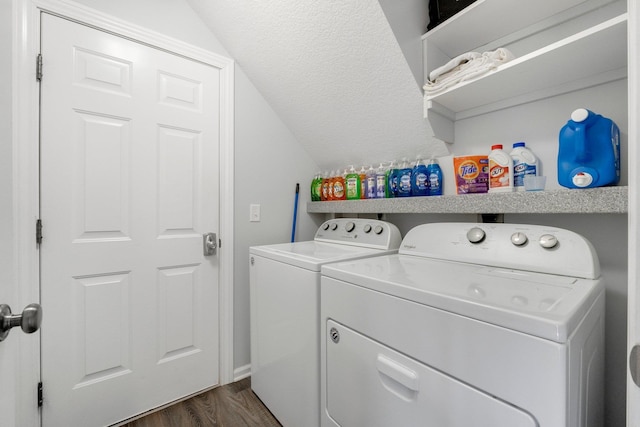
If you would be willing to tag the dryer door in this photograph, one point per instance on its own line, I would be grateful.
(369, 384)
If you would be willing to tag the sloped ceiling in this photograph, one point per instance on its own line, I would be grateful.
(334, 73)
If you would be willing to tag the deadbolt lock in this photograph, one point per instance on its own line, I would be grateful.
(209, 244)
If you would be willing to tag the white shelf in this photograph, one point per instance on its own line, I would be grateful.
(594, 56)
(589, 201)
(484, 21)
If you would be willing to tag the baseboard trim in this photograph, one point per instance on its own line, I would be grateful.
(242, 372)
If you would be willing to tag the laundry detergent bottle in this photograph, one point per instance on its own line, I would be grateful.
(589, 151)
(524, 163)
(500, 170)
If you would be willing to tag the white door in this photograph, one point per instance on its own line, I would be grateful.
(129, 185)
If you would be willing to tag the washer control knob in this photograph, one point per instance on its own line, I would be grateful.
(378, 229)
(367, 228)
(334, 227)
(349, 227)
(519, 239)
(476, 235)
(325, 226)
(548, 241)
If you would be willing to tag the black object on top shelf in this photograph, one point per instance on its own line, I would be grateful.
(441, 10)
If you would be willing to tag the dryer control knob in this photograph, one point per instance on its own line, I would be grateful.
(548, 241)
(334, 227)
(519, 238)
(325, 226)
(378, 229)
(367, 228)
(476, 235)
(349, 227)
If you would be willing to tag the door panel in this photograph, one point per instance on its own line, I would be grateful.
(129, 183)
(103, 205)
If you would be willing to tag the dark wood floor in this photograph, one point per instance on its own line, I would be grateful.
(232, 405)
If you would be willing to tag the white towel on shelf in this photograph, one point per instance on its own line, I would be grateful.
(467, 70)
(458, 60)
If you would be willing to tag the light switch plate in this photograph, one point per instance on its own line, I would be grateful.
(254, 213)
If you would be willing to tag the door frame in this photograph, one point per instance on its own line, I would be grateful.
(26, 204)
(633, 292)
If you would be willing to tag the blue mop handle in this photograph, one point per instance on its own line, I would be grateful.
(295, 214)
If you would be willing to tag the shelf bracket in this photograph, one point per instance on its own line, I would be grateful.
(441, 121)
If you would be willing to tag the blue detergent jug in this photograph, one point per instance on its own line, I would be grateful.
(589, 152)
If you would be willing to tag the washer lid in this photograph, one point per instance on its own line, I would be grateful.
(545, 305)
(311, 255)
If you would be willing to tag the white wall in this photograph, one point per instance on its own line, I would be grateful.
(268, 162)
(408, 20)
(173, 18)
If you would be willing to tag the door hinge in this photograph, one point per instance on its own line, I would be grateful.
(39, 67)
(38, 231)
(219, 243)
(40, 394)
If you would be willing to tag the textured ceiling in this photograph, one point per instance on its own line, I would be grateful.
(334, 73)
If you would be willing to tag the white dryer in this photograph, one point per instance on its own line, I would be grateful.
(285, 312)
(494, 325)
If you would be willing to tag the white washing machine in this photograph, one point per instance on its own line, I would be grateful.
(495, 325)
(285, 312)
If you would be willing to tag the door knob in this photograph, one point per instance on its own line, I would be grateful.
(29, 320)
